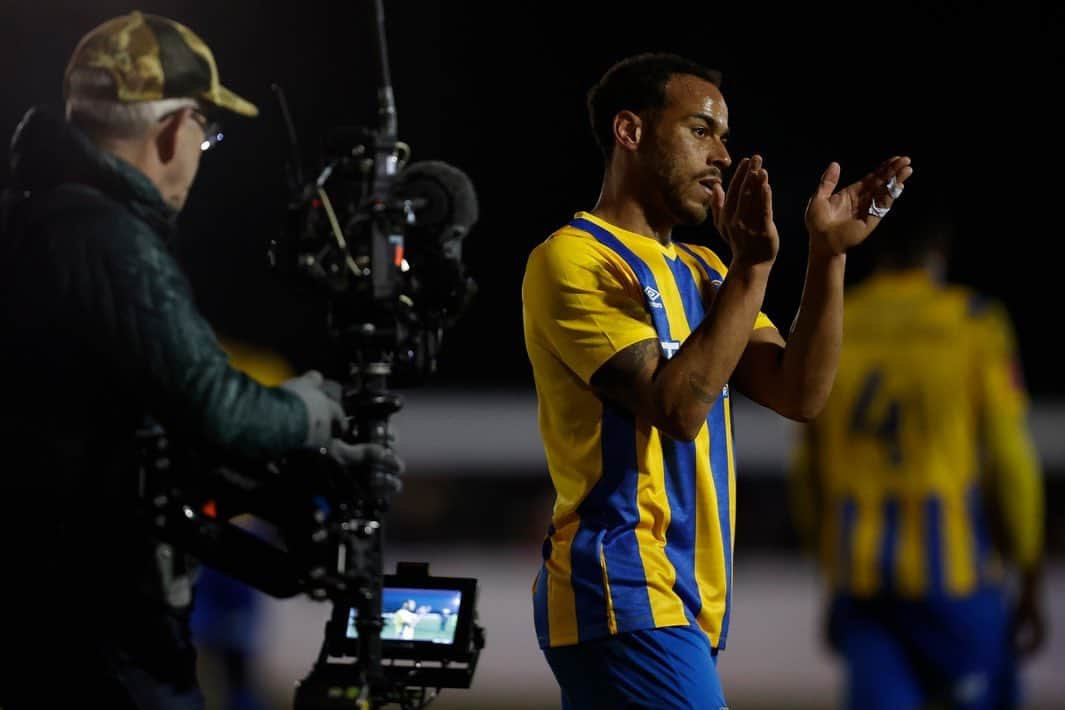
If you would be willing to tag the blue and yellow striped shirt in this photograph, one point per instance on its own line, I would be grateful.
(642, 528)
(921, 444)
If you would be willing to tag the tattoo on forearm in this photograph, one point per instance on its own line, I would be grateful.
(700, 392)
(634, 358)
(622, 369)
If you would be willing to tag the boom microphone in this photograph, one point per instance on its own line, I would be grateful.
(443, 199)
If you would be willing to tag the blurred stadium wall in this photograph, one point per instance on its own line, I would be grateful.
(476, 504)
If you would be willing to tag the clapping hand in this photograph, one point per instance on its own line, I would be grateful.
(837, 221)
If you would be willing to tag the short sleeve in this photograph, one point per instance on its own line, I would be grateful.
(580, 305)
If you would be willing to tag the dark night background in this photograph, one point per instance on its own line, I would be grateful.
(498, 90)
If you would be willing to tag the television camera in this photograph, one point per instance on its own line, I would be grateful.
(379, 241)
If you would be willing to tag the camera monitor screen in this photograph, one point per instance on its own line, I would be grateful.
(416, 614)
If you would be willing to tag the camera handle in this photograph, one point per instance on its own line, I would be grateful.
(334, 685)
(372, 404)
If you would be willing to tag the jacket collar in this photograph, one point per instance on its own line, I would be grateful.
(47, 152)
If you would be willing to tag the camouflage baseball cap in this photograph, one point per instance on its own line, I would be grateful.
(151, 58)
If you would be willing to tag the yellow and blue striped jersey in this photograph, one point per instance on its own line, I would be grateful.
(642, 527)
(923, 430)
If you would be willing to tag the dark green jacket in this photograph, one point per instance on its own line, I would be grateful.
(100, 331)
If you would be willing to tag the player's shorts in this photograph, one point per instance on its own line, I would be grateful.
(671, 668)
(908, 653)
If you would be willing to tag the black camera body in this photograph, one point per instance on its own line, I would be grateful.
(377, 242)
(390, 638)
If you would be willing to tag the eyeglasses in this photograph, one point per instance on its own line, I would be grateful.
(212, 131)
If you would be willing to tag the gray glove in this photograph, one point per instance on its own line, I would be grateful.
(386, 480)
(322, 411)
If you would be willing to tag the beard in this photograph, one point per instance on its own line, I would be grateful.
(676, 189)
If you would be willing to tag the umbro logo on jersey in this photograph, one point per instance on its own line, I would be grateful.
(653, 297)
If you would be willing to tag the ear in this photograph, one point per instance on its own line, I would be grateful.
(166, 140)
(628, 130)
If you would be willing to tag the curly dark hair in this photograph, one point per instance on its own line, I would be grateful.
(637, 84)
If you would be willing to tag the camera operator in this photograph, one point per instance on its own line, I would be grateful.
(100, 332)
